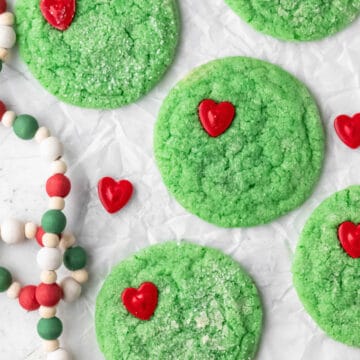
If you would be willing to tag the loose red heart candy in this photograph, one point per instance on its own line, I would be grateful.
(58, 13)
(348, 130)
(2, 6)
(141, 302)
(114, 195)
(349, 236)
(216, 118)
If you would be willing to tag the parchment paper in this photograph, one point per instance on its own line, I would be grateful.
(119, 143)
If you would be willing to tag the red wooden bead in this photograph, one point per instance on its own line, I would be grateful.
(58, 185)
(39, 235)
(48, 294)
(27, 298)
(2, 105)
(2, 6)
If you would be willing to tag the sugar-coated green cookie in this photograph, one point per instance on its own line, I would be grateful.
(298, 20)
(208, 307)
(264, 165)
(326, 278)
(114, 51)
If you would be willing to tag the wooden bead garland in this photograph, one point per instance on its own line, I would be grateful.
(7, 33)
(49, 235)
(57, 247)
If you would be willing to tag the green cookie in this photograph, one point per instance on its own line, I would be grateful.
(267, 162)
(208, 307)
(326, 278)
(298, 20)
(114, 52)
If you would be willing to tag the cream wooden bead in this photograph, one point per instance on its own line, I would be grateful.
(49, 258)
(58, 167)
(7, 19)
(30, 230)
(48, 277)
(7, 37)
(56, 203)
(67, 240)
(4, 53)
(12, 231)
(50, 240)
(47, 312)
(42, 134)
(50, 345)
(14, 290)
(59, 354)
(81, 276)
(8, 118)
(71, 289)
(51, 149)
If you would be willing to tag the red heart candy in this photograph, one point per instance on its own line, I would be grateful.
(349, 236)
(141, 302)
(348, 130)
(216, 118)
(58, 13)
(114, 195)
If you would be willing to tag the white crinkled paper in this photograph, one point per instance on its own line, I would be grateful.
(119, 143)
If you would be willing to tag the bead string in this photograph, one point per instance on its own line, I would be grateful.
(56, 247)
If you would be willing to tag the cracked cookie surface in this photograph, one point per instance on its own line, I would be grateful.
(297, 20)
(114, 52)
(325, 276)
(208, 308)
(263, 166)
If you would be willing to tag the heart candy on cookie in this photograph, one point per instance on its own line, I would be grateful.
(58, 13)
(141, 302)
(216, 118)
(349, 236)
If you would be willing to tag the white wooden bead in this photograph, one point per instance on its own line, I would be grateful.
(12, 231)
(50, 240)
(50, 345)
(49, 258)
(81, 276)
(30, 230)
(42, 134)
(67, 240)
(58, 167)
(8, 118)
(7, 18)
(59, 354)
(51, 149)
(71, 289)
(14, 290)
(48, 277)
(4, 53)
(47, 312)
(56, 203)
(7, 37)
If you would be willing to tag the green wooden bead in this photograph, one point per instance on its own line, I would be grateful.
(50, 329)
(53, 221)
(5, 279)
(75, 258)
(25, 126)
